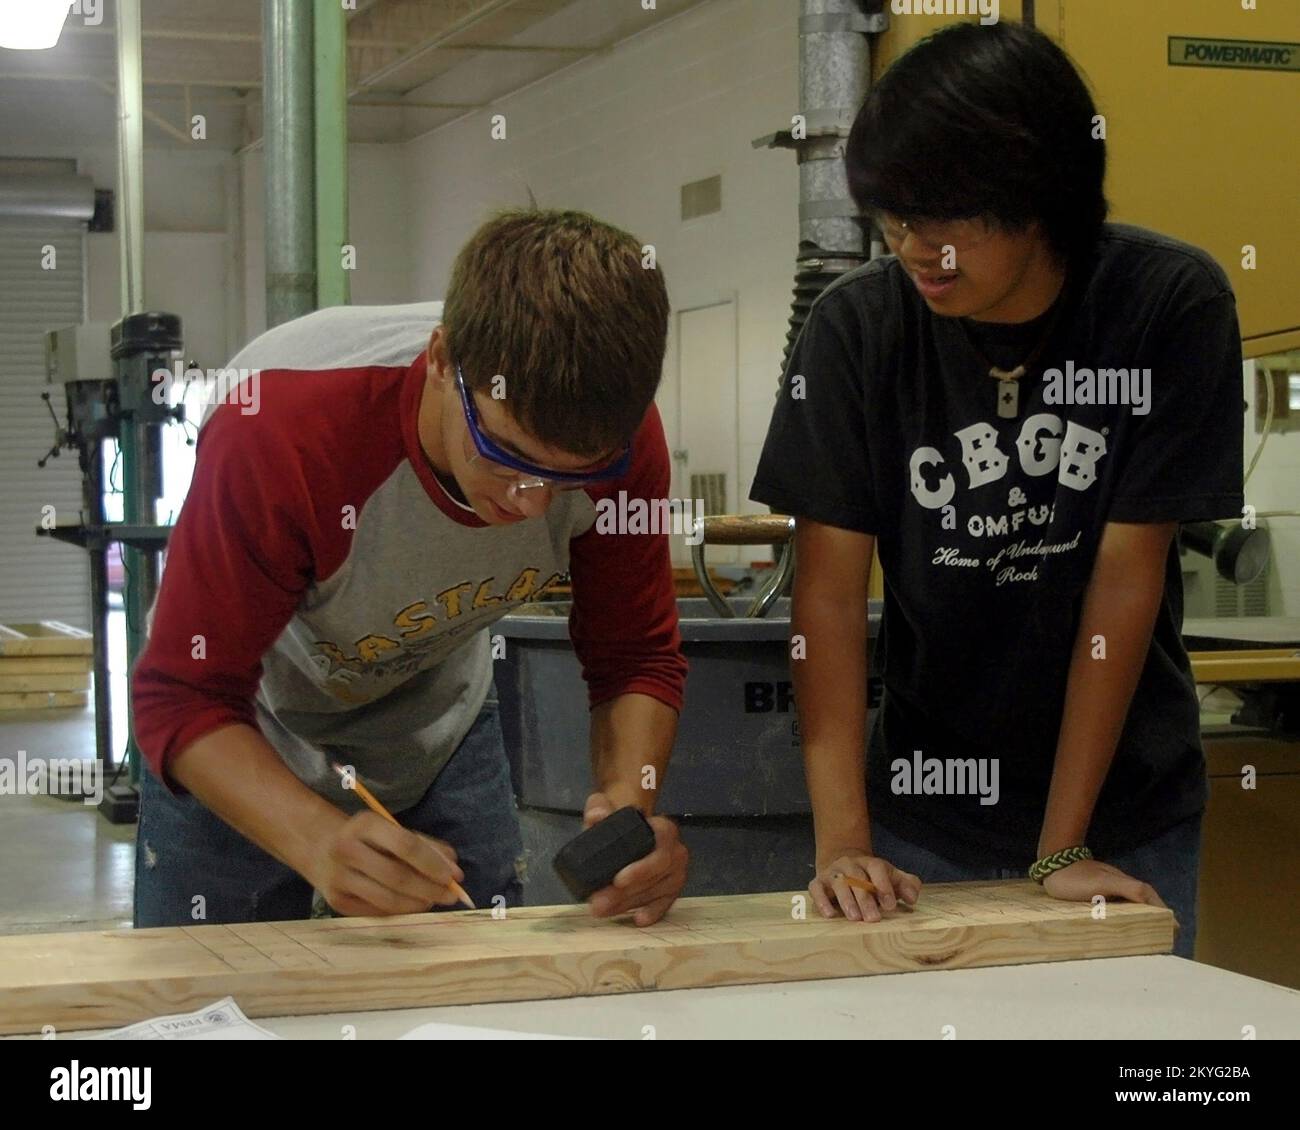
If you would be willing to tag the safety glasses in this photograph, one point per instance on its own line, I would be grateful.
(935, 235)
(512, 465)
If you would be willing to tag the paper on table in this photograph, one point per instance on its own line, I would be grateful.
(461, 1032)
(222, 1020)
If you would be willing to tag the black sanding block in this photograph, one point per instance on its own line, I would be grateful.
(591, 859)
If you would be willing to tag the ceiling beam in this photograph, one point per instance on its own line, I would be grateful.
(536, 47)
(215, 36)
(359, 104)
(404, 104)
(432, 43)
(157, 119)
(48, 76)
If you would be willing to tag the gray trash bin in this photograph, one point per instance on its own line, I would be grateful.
(735, 782)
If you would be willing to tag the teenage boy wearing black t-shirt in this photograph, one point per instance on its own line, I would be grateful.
(1037, 693)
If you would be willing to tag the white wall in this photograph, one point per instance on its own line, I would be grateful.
(617, 136)
(188, 210)
(379, 228)
(184, 274)
(182, 187)
(1275, 485)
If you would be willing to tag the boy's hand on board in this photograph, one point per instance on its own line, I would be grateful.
(832, 895)
(648, 887)
(370, 867)
(1081, 881)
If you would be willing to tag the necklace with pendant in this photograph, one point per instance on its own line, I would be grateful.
(1009, 379)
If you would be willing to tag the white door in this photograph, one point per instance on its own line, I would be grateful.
(706, 461)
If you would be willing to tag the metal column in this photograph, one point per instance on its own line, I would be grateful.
(287, 132)
(331, 157)
(141, 461)
(834, 77)
(130, 155)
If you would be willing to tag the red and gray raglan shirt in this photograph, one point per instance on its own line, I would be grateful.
(321, 585)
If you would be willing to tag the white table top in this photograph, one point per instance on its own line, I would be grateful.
(1110, 998)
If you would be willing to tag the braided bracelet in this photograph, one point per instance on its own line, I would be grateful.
(1056, 861)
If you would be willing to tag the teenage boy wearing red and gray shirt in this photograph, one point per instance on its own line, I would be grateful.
(411, 474)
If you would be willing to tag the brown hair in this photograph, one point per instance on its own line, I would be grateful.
(561, 306)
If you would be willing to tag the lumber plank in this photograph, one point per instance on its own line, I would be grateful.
(42, 700)
(1253, 666)
(46, 665)
(45, 637)
(111, 978)
(24, 684)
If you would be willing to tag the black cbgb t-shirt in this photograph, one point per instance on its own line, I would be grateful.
(987, 527)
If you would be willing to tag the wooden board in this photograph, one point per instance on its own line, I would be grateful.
(100, 980)
(21, 684)
(46, 665)
(47, 637)
(1261, 665)
(1264, 631)
(43, 700)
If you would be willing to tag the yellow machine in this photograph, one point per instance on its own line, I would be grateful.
(1200, 122)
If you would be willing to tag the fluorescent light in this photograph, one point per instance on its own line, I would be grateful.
(31, 25)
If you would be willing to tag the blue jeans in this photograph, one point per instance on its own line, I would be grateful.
(1170, 863)
(184, 850)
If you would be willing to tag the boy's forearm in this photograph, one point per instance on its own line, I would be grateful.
(830, 696)
(632, 739)
(236, 773)
(1110, 649)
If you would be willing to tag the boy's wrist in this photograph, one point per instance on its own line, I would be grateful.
(303, 844)
(1058, 861)
(625, 793)
(834, 842)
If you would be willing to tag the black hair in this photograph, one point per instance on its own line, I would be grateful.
(992, 121)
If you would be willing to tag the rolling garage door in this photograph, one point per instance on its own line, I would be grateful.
(40, 579)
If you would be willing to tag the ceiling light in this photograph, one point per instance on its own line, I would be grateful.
(31, 25)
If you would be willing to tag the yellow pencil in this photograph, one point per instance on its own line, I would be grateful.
(369, 798)
(870, 888)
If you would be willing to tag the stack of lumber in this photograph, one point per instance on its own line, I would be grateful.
(43, 665)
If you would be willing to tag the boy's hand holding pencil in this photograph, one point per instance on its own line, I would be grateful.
(373, 866)
(861, 886)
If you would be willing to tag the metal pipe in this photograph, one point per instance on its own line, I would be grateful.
(715, 598)
(47, 195)
(130, 156)
(834, 77)
(775, 587)
(92, 497)
(331, 157)
(287, 127)
(233, 256)
(834, 73)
